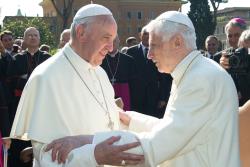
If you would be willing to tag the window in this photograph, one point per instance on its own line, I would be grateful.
(129, 15)
(152, 15)
(139, 15)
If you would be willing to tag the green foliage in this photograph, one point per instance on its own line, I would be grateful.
(202, 19)
(222, 19)
(18, 27)
(53, 51)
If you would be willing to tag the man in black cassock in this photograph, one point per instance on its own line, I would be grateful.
(120, 68)
(22, 66)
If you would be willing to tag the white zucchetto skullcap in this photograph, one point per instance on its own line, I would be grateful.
(176, 17)
(91, 10)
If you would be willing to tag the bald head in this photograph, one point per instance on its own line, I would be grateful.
(64, 38)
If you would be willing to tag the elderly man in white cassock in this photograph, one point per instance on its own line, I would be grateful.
(70, 94)
(200, 125)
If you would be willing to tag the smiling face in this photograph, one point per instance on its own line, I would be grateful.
(212, 45)
(98, 40)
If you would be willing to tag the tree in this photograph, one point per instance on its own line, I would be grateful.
(202, 19)
(18, 27)
(215, 5)
(64, 11)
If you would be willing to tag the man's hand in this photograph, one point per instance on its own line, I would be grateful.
(224, 61)
(26, 155)
(62, 147)
(119, 103)
(109, 154)
(124, 118)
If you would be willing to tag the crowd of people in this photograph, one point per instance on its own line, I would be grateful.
(181, 106)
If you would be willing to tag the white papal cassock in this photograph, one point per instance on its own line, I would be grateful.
(200, 125)
(55, 103)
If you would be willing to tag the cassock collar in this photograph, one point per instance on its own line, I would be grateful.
(181, 68)
(76, 59)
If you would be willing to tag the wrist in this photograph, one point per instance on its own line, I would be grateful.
(86, 139)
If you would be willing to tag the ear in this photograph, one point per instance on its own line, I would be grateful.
(81, 33)
(177, 41)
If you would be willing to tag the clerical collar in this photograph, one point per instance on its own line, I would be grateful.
(181, 68)
(76, 59)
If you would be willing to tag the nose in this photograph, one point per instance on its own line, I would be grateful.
(110, 46)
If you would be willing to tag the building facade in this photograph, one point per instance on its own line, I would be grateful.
(227, 14)
(131, 15)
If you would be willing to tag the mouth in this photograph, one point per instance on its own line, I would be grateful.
(103, 54)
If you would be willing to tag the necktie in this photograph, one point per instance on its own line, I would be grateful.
(146, 53)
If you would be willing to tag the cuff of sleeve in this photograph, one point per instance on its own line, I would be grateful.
(126, 137)
(84, 154)
(137, 122)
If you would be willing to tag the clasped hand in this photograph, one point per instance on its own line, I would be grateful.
(105, 152)
(62, 147)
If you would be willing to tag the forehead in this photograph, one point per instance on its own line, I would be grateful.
(32, 31)
(7, 36)
(104, 25)
(65, 36)
(154, 36)
(211, 40)
(234, 30)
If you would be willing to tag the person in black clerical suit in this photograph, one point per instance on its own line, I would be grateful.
(22, 66)
(152, 87)
(120, 68)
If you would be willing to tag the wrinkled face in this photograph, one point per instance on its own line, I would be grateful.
(7, 41)
(100, 37)
(233, 36)
(159, 52)
(32, 38)
(212, 46)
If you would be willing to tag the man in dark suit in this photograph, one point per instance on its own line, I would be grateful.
(211, 45)
(148, 81)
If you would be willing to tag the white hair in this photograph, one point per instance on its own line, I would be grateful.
(168, 29)
(84, 22)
